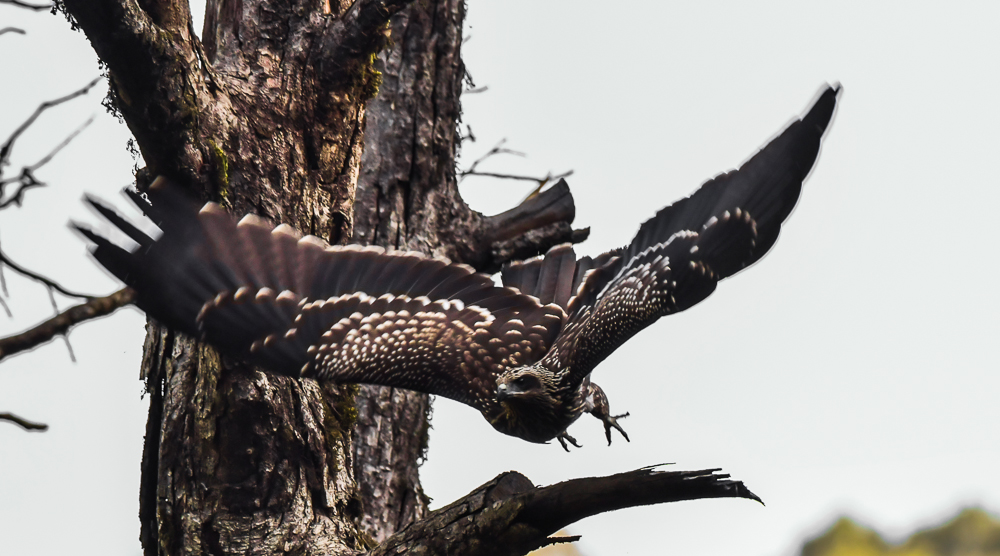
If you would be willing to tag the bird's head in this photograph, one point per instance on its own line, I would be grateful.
(532, 384)
(536, 407)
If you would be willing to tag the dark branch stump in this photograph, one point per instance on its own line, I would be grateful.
(509, 516)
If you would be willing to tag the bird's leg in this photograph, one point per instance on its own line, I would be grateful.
(564, 437)
(598, 406)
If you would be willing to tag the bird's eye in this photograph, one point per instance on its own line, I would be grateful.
(525, 382)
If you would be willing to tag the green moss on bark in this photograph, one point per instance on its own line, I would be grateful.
(221, 163)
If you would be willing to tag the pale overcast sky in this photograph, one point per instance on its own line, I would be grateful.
(852, 371)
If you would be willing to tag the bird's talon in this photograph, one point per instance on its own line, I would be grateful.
(564, 437)
(611, 421)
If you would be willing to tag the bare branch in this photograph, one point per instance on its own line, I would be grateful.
(509, 516)
(500, 149)
(27, 179)
(69, 347)
(61, 323)
(47, 158)
(468, 136)
(24, 423)
(541, 181)
(8, 145)
(17, 30)
(3, 293)
(65, 336)
(27, 6)
(4, 259)
(497, 149)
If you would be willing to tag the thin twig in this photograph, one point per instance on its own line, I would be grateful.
(48, 158)
(12, 30)
(27, 181)
(9, 144)
(27, 177)
(3, 293)
(470, 136)
(4, 259)
(52, 300)
(497, 149)
(65, 336)
(61, 323)
(543, 181)
(500, 149)
(45, 159)
(27, 6)
(69, 347)
(3, 283)
(23, 423)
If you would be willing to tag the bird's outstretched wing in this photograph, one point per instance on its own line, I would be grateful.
(678, 256)
(299, 306)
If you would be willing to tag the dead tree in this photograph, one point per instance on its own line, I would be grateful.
(340, 119)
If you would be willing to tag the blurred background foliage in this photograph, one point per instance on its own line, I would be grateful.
(973, 532)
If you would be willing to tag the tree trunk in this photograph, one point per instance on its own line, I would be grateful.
(407, 198)
(269, 116)
(342, 122)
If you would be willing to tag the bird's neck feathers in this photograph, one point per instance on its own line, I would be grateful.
(543, 413)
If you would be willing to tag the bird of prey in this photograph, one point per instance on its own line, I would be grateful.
(521, 354)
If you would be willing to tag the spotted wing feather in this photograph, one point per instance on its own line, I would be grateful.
(660, 281)
(678, 256)
(278, 298)
(442, 347)
(767, 185)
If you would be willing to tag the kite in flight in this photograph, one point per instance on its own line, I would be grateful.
(521, 354)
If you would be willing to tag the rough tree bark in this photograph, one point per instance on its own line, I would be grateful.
(273, 114)
(268, 116)
(408, 199)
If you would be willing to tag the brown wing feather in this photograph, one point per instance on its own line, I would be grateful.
(440, 347)
(678, 256)
(660, 281)
(296, 305)
(550, 278)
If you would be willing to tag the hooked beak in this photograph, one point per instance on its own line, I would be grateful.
(505, 392)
